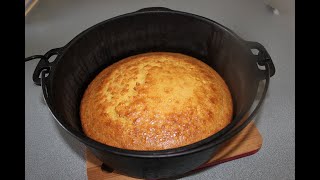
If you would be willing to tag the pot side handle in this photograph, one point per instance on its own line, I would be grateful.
(44, 65)
(262, 58)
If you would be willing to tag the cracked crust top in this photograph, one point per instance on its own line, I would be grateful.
(155, 101)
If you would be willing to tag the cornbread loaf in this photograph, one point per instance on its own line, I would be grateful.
(155, 101)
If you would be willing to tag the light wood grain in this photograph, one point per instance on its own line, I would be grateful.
(32, 4)
(247, 142)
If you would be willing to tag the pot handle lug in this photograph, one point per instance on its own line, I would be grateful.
(44, 65)
(154, 9)
(263, 58)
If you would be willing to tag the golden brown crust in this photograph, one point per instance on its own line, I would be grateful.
(155, 101)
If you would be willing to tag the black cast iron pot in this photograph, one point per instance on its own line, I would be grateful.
(153, 29)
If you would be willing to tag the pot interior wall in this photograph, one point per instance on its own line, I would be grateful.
(128, 35)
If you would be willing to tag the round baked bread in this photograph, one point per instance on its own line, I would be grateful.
(155, 101)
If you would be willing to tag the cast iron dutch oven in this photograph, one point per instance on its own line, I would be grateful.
(153, 29)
